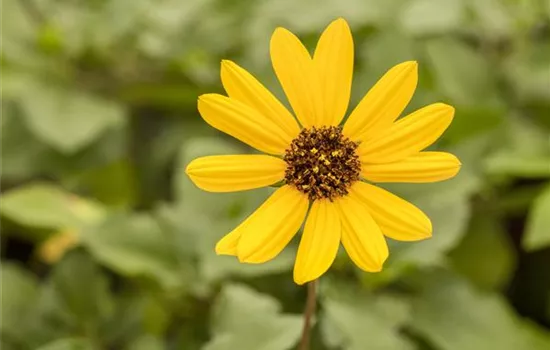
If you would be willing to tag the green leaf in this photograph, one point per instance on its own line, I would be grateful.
(485, 117)
(467, 81)
(360, 12)
(247, 320)
(52, 320)
(537, 233)
(110, 27)
(470, 258)
(68, 119)
(20, 160)
(146, 342)
(44, 205)
(492, 18)
(525, 151)
(533, 166)
(385, 50)
(527, 71)
(137, 312)
(516, 201)
(136, 245)
(453, 316)
(110, 147)
(19, 299)
(156, 317)
(461, 73)
(82, 289)
(526, 137)
(7, 345)
(68, 344)
(422, 17)
(162, 95)
(114, 184)
(352, 318)
(18, 31)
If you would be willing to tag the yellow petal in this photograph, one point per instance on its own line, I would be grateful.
(269, 229)
(55, 247)
(418, 168)
(294, 69)
(319, 243)
(384, 102)
(333, 60)
(397, 218)
(235, 173)
(244, 123)
(361, 236)
(242, 86)
(408, 135)
(228, 244)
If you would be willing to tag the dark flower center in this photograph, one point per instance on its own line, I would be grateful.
(322, 163)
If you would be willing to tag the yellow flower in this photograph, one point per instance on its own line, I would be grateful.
(323, 166)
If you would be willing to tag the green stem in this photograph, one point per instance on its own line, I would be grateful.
(311, 303)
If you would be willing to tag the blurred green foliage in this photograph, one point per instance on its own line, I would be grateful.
(107, 245)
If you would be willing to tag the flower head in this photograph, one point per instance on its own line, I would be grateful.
(327, 169)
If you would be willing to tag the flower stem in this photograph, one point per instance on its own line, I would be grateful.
(311, 304)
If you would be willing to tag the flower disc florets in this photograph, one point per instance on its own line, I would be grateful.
(322, 162)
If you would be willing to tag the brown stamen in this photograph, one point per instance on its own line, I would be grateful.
(322, 163)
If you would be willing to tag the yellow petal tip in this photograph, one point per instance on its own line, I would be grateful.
(227, 63)
(221, 249)
(429, 230)
(424, 231)
(443, 110)
(280, 33)
(189, 169)
(411, 64)
(204, 98)
(423, 235)
(443, 106)
(457, 161)
(341, 21)
(410, 68)
(301, 277)
(281, 30)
